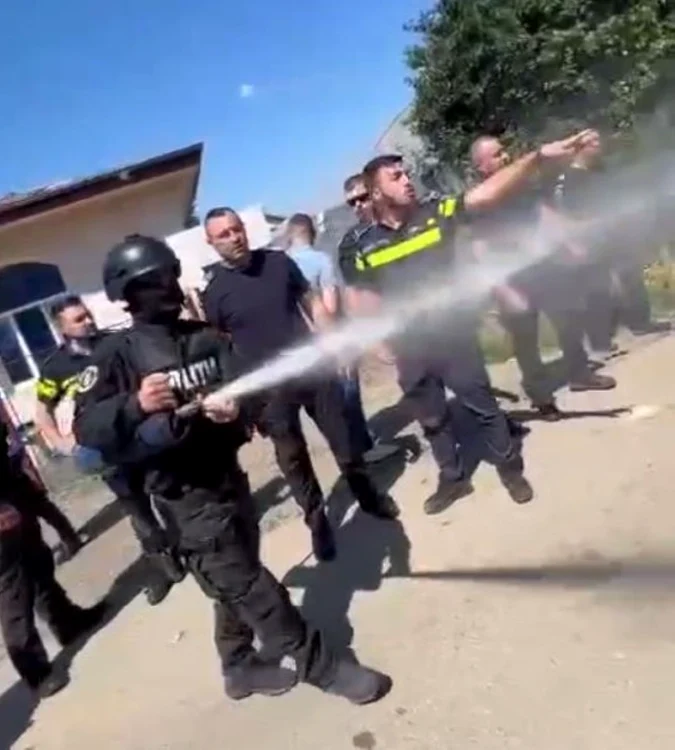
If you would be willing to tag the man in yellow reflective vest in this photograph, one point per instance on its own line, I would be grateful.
(411, 241)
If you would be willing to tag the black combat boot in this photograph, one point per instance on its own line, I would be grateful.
(359, 685)
(323, 539)
(257, 677)
(157, 588)
(80, 622)
(448, 492)
(370, 499)
(169, 563)
(53, 683)
(517, 486)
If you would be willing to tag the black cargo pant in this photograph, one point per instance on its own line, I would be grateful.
(217, 535)
(130, 494)
(39, 505)
(457, 364)
(27, 585)
(559, 293)
(278, 417)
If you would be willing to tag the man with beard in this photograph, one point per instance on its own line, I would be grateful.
(414, 242)
(56, 387)
(261, 299)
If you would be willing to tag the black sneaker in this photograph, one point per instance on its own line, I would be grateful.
(548, 412)
(380, 506)
(358, 684)
(593, 382)
(258, 678)
(83, 621)
(52, 684)
(323, 539)
(447, 493)
(517, 486)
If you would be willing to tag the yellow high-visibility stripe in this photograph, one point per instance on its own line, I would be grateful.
(392, 253)
(447, 207)
(46, 388)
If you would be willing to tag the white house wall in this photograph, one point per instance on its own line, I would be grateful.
(76, 239)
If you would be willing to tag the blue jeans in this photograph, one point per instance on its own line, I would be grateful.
(87, 460)
(356, 418)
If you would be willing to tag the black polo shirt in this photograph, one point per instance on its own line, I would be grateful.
(390, 260)
(258, 306)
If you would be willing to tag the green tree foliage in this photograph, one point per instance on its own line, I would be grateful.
(527, 68)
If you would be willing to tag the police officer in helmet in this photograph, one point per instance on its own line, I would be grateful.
(127, 408)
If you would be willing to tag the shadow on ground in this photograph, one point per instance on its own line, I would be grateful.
(531, 415)
(365, 547)
(18, 704)
(641, 573)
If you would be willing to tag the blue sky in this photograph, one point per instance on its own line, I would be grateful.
(288, 96)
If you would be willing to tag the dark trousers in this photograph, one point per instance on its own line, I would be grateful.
(28, 584)
(634, 306)
(279, 419)
(354, 412)
(458, 365)
(136, 503)
(600, 311)
(38, 504)
(217, 535)
(560, 293)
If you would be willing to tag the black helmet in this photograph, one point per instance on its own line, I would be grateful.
(135, 256)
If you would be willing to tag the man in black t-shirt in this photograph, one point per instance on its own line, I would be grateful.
(259, 298)
(548, 285)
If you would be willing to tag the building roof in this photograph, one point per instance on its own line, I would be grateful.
(17, 206)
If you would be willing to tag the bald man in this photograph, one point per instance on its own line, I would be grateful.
(544, 286)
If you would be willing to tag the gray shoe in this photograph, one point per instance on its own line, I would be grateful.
(359, 685)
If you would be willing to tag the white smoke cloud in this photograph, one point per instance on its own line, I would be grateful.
(246, 90)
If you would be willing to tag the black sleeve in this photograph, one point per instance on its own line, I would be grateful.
(107, 412)
(354, 275)
(347, 252)
(298, 284)
(49, 387)
(211, 304)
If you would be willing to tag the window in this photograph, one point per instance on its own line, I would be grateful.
(27, 336)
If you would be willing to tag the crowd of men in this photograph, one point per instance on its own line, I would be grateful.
(170, 455)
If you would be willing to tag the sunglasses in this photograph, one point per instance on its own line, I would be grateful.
(358, 199)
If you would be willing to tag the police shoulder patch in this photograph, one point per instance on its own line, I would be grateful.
(87, 379)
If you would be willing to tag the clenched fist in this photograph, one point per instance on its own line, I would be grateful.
(156, 394)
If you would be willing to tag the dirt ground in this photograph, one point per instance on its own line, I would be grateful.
(543, 626)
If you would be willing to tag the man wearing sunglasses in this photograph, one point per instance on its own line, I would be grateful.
(413, 242)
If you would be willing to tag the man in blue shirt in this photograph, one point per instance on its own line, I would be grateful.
(325, 283)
